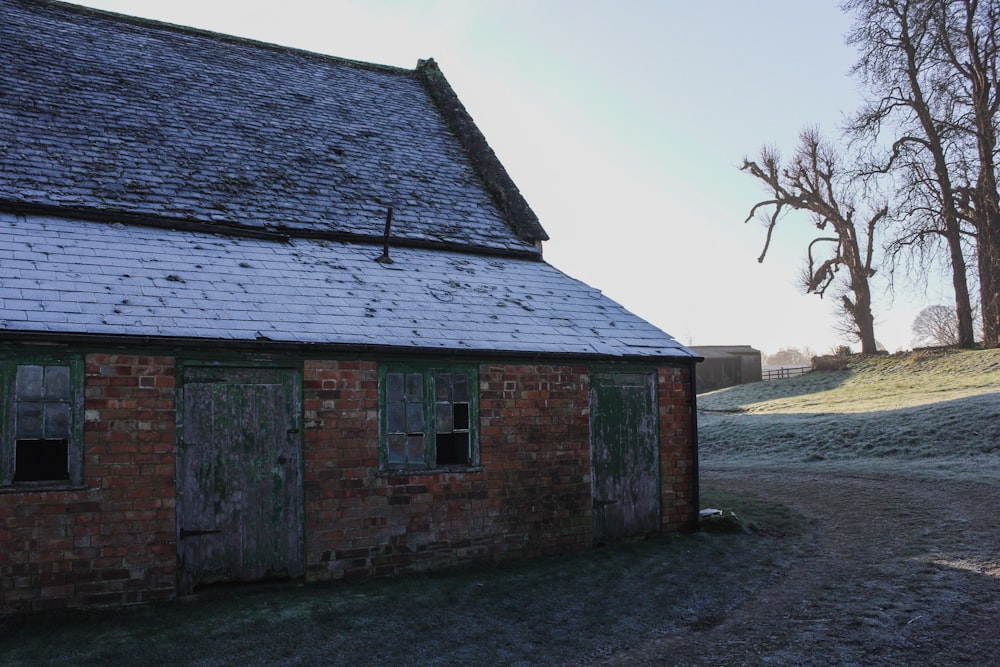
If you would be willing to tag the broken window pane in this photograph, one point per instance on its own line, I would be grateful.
(461, 417)
(37, 460)
(452, 448)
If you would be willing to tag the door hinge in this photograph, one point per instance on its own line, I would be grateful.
(192, 533)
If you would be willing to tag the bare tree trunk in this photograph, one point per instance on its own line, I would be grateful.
(960, 284)
(989, 279)
(861, 312)
(982, 75)
(861, 309)
(949, 212)
(899, 52)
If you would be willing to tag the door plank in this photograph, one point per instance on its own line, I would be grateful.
(239, 481)
(625, 455)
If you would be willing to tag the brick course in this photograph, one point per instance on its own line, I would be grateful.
(114, 542)
(529, 497)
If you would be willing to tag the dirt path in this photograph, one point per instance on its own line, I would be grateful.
(898, 571)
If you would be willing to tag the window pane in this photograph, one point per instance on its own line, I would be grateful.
(41, 460)
(56, 383)
(397, 448)
(460, 384)
(395, 418)
(452, 448)
(443, 417)
(442, 387)
(415, 449)
(28, 385)
(394, 386)
(56, 420)
(28, 422)
(415, 418)
(461, 413)
(414, 387)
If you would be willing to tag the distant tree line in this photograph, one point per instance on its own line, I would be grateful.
(912, 180)
(790, 356)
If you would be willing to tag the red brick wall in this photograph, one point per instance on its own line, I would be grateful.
(112, 542)
(678, 464)
(530, 497)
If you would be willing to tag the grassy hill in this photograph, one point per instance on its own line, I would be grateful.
(919, 405)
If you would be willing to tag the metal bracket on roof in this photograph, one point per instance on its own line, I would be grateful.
(385, 259)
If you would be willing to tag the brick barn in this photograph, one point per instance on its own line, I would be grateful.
(267, 313)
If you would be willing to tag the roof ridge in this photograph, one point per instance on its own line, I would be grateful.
(218, 36)
(192, 131)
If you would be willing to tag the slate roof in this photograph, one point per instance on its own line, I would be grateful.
(169, 183)
(107, 114)
(66, 276)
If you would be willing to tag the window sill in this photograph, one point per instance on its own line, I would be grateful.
(418, 472)
(35, 487)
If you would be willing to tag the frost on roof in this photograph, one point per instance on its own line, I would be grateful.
(121, 116)
(68, 276)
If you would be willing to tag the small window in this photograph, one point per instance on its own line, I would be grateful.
(41, 433)
(428, 418)
(41, 460)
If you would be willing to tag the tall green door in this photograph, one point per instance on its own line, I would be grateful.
(625, 455)
(239, 488)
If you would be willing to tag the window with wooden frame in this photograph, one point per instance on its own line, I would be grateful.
(428, 417)
(41, 440)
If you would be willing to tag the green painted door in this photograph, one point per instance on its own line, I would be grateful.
(625, 455)
(239, 491)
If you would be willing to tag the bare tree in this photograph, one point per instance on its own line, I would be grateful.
(935, 325)
(894, 38)
(931, 67)
(814, 182)
(968, 30)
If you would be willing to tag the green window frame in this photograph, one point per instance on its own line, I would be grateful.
(428, 417)
(41, 441)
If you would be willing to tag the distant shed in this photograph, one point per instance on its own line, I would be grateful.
(727, 366)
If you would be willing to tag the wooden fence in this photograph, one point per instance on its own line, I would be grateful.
(783, 372)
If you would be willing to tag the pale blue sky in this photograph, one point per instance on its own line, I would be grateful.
(623, 123)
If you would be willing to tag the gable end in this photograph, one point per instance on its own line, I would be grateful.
(498, 182)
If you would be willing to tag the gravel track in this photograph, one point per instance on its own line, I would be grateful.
(899, 570)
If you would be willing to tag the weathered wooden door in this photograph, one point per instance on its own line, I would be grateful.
(239, 492)
(625, 455)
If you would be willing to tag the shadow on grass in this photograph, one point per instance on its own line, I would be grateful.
(548, 611)
(963, 427)
(735, 399)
